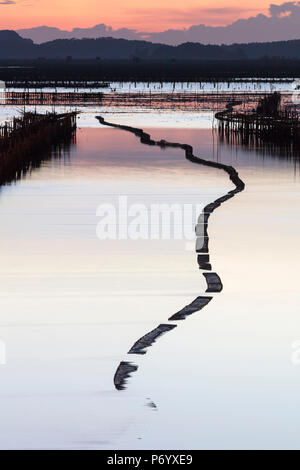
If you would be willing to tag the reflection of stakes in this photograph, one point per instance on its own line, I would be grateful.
(26, 140)
(214, 283)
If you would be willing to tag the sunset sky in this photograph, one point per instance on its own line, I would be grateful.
(149, 15)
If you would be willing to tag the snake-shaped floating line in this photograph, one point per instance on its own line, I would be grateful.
(214, 284)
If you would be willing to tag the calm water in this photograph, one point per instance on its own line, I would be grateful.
(73, 305)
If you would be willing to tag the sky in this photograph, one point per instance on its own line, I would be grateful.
(149, 15)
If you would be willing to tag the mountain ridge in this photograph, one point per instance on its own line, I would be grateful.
(13, 46)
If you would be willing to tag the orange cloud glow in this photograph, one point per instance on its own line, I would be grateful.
(153, 15)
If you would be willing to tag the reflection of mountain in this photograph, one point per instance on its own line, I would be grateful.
(12, 46)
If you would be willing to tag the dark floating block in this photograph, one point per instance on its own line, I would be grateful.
(203, 258)
(211, 207)
(203, 262)
(202, 244)
(204, 217)
(124, 371)
(147, 340)
(195, 306)
(214, 283)
(206, 266)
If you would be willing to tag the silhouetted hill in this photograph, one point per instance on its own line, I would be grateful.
(12, 46)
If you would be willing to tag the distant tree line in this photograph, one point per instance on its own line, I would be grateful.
(12, 46)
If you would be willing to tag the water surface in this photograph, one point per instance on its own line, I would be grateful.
(72, 305)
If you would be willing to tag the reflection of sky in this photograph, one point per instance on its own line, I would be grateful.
(72, 305)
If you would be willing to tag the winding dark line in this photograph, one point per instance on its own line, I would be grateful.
(198, 304)
(146, 139)
(214, 283)
(147, 340)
